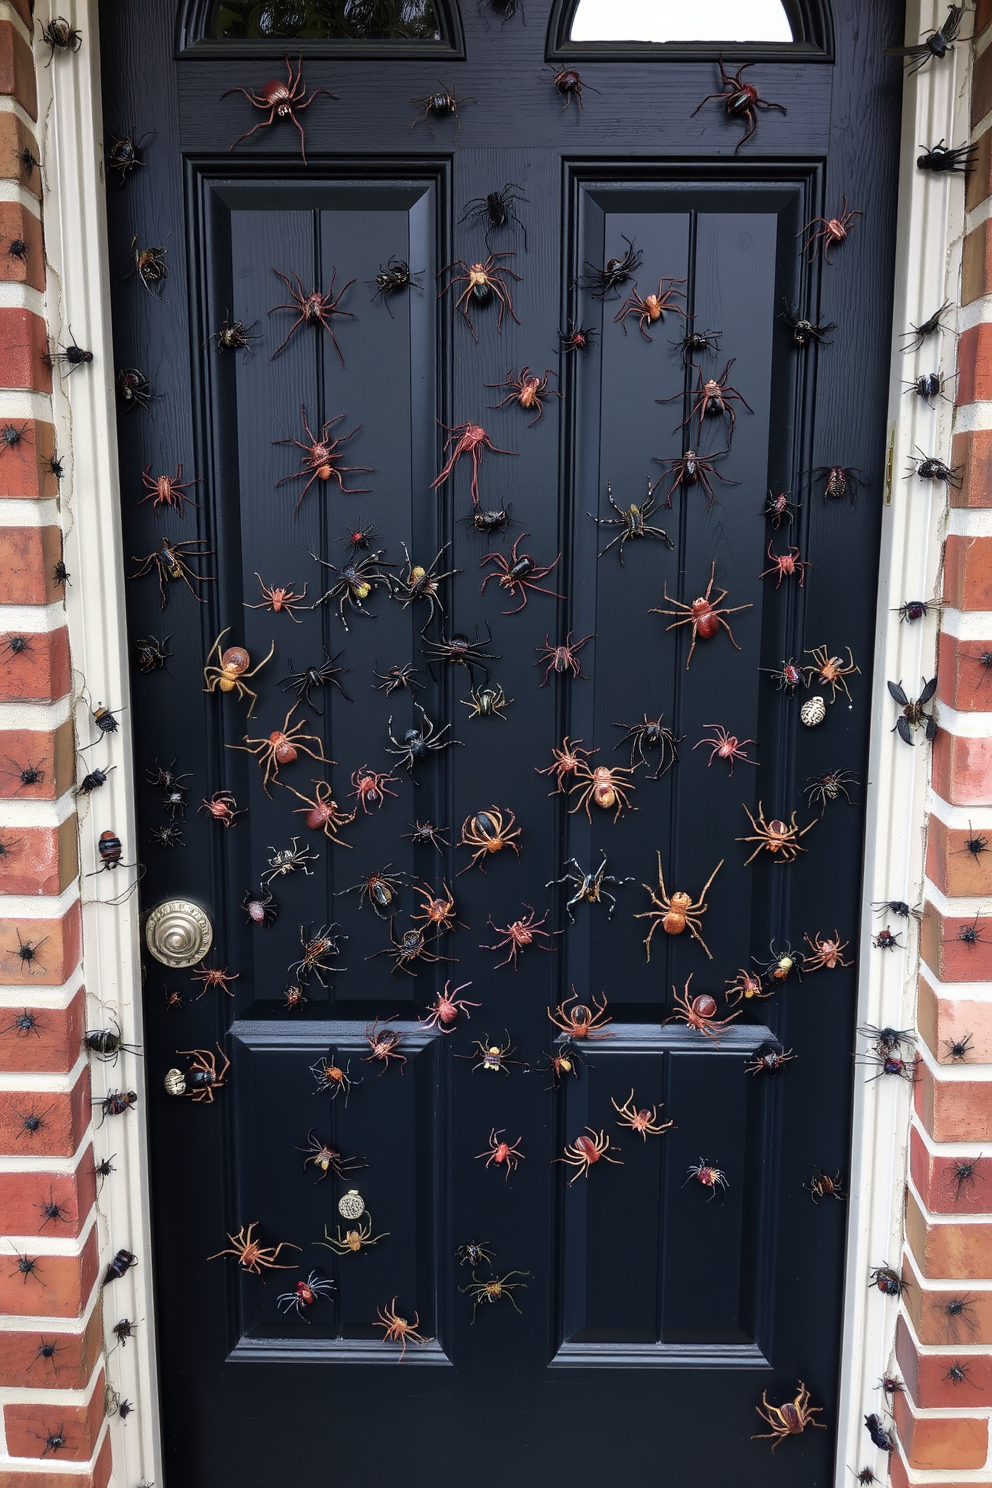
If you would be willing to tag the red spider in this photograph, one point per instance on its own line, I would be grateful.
(468, 439)
(715, 398)
(785, 564)
(742, 101)
(445, 1009)
(700, 1013)
(652, 307)
(566, 761)
(726, 746)
(482, 281)
(320, 460)
(312, 309)
(276, 599)
(283, 101)
(517, 935)
(368, 786)
(502, 1152)
(691, 469)
(834, 230)
(168, 490)
(223, 808)
(383, 1041)
(528, 390)
(562, 658)
(518, 574)
(704, 617)
(213, 976)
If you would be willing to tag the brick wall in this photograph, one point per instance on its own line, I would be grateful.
(52, 1364)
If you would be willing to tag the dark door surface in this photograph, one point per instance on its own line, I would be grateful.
(652, 1310)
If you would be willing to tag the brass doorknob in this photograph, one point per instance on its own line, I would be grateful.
(178, 932)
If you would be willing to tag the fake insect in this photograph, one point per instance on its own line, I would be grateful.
(491, 1057)
(914, 714)
(398, 1329)
(929, 467)
(427, 834)
(411, 946)
(438, 909)
(171, 561)
(352, 1241)
(708, 1176)
(72, 356)
(151, 653)
(119, 1266)
(252, 1256)
(397, 678)
(494, 1290)
(830, 671)
(917, 334)
(779, 838)
(313, 308)
(320, 459)
(223, 808)
(651, 308)
(417, 743)
(150, 267)
(289, 860)
(443, 1011)
(440, 105)
(963, 1172)
(725, 746)
(203, 1077)
(304, 1294)
(616, 271)
(562, 659)
(828, 787)
(650, 734)
(691, 469)
(213, 976)
(380, 889)
(769, 1058)
(704, 617)
(315, 676)
(959, 1049)
(332, 1079)
(741, 100)
(946, 159)
(60, 37)
(930, 385)
(232, 670)
(283, 100)
(383, 1043)
(317, 951)
(502, 1152)
(696, 343)
(578, 1021)
(936, 44)
(823, 1186)
(588, 886)
(834, 230)
(487, 702)
(276, 599)
(633, 521)
(327, 1159)
(282, 747)
(579, 338)
(888, 1282)
(355, 583)
(111, 854)
(565, 1060)
(483, 282)
(167, 490)
(497, 209)
(419, 583)
(234, 335)
(677, 913)
(528, 390)
(261, 908)
(588, 1148)
(107, 1044)
(488, 832)
(787, 1420)
(466, 439)
(518, 935)
(698, 1013)
(565, 762)
(602, 786)
(488, 522)
(644, 1121)
(568, 85)
(715, 400)
(29, 775)
(804, 330)
(781, 963)
(371, 785)
(745, 986)
(133, 387)
(786, 565)
(394, 277)
(885, 940)
(826, 952)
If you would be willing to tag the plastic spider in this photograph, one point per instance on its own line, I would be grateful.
(352, 1241)
(644, 1121)
(586, 1150)
(251, 1255)
(441, 105)
(563, 658)
(741, 99)
(316, 951)
(312, 308)
(491, 1056)
(785, 565)
(602, 786)
(322, 813)
(168, 490)
(529, 390)
(321, 461)
(460, 651)
(494, 1290)
(831, 671)
(633, 521)
(443, 1011)
(304, 1294)
(579, 1021)
(282, 747)
(691, 469)
(650, 734)
(214, 976)
(496, 209)
(833, 230)
(411, 946)
(380, 889)
(502, 1152)
(397, 678)
(518, 935)
(565, 762)
(790, 1419)
(230, 675)
(398, 1329)
(745, 986)
(588, 886)
(170, 560)
(422, 583)
(488, 832)
(354, 584)
(699, 1013)
(417, 744)
(331, 1079)
(780, 838)
(382, 1042)
(482, 281)
(426, 833)
(715, 399)
(466, 439)
(828, 787)
(438, 909)
(616, 271)
(677, 913)
(934, 44)
(725, 746)
(651, 308)
(277, 599)
(827, 952)
(314, 676)
(326, 1158)
(371, 785)
(283, 101)
(805, 330)
(289, 860)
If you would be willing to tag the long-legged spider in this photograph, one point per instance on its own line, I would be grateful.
(633, 521)
(466, 439)
(565, 762)
(230, 675)
(691, 469)
(518, 935)
(586, 1150)
(715, 397)
(275, 598)
(482, 281)
(438, 909)
(215, 976)
(282, 747)
(518, 574)
(494, 1290)
(352, 1241)
(203, 1075)
(588, 886)
(644, 1121)
(417, 743)
(702, 615)
(422, 583)
(322, 813)
(790, 1419)
(488, 832)
(312, 308)
(284, 100)
(328, 1159)
(314, 676)
(677, 913)
(460, 651)
(529, 390)
(562, 658)
(651, 734)
(320, 459)
(411, 946)
(579, 1021)
(830, 671)
(651, 308)
(780, 838)
(398, 1330)
(383, 1042)
(725, 746)
(602, 787)
(251, 1255)
(699, 1012)
(502, 1152)
(354, 584)
(834, 230)
(170, 560)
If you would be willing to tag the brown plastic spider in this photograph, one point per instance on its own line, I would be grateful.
(567, 760)
(699, 1013)
(328, 1159)
(491, 1057)
(223, 808)
(502, 1152)
(691, 469)
(352, 1241)
(314, 309)
(167, 490)
(488, 832)
(785, 565)
(563, 658)
(726, 746)
(677, 913)
(482, 281)
(585, 1151)
(398, 1330)
(518, 935)
(827, 953)
(703, 615)
(283, 101)
(370, 785)
(282, 747)
(715, 398)
(252, 1256)
(602, 786)
(437, 910)
(528, 390)
(745, 986)
(467, 439)
(382, 1042)
(834, 230)
(213, 976)
(777, 836)
(411, 946)
(652, 307)
(644, 1121)
(518, 574)
(322, 813)
(204, 1075)
(170, 560)
(233, 669)
(580, 1021)
(790, 1419)
(276, 599)
(494, 1290)
(320, 458)
(830, 671)
(444, 1010)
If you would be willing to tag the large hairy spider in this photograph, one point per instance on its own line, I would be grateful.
(320, 459)
(780, 838)
(422, 583)
(651, 734)
(616, 271)
(460, 651)
(678, 912)
(482, 281)
(355, 583)
(934, 44)
(588, 886)
(633, 521)
(380, 889)
(418, 743)
(312, 308)
(652, 307)
(283, 101)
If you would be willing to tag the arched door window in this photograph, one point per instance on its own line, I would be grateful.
(641, 29)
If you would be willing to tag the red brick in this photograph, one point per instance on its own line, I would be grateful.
(975, 364)
(967, 572)
(21, 1366)
(972, 451)
(61, 1286)
(961, 768)
(898, 1476)
(17, 69)
(981, 87)
(935, 1179)
(924, 1375)
(978, 182)
(52, 753)
(976, 264)
(963, 680)
(15, 138)
(28, 556)
(39, 860)
(960, 1251)
(955, 869)
(28, 1425)
(940, 1443)
(953, 1110)
(41, 674)
(54, 961)
(65, 1118)
(946, 1020)
(23, 1195)
(931, 1322)
(950, 957)
(18, 222)
(23, 344)
(52, 1047)
(25, 470)
(97, 1477)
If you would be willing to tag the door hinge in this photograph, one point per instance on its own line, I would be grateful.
(890, 459)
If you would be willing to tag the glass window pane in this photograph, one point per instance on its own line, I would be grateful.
(677, 20)
(324, 20)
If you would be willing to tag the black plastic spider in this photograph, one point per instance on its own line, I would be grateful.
(422, 583)
(964, 1172)
(929, 467)
(947, 159)
(391, 279)
(27, 774)
(616, 271)
(74, 356)
(633, 521)
(829, 786)
(651, 734)
(959, 1049)
(16, 645)
(930, 385)
(397, 678)
(425, 833)
(917, 334)
(314, 676)
(48, 1351)
(460, 651)
(53, 1212)
(934, 44)
(355, 583)
(579, 339)
(804, 330)
(411, 946)
(28, 950)
(496, 209)
(975, 843)
(588, 886)
(896, 907)
(151, 653)
(969, 935)
(697, 343)
(958, 1310)
(24, 1024)
(417, 744)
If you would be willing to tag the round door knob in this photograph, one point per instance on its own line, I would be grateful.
(178, 932)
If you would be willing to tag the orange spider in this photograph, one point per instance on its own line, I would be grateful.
(437, 911)
(700, 1013)
(581, 1022)
(603, 787)
(168, 490)
(652, 307)
(502, 1152)
(644, 1121)
(567, 760)
(830, 671)
(790, 1419)
(234, 664)
(223, 808)
(677, 913)
(252, 1256)
(828, 953)
(585, 1151)
(745, 986)
(277, 599)
(776, 836)
(482, 281)
(398, 1330)
(370, 786)
(282, 747)
(212, 976)
(488, 832)
(324, 813)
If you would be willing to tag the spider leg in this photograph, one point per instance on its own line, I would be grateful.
(707, 99)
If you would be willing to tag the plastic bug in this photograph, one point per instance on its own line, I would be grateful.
(11, 437)
(317, 950)
(562, 659)
(677, 913)
(382, 1042)
(233, 666)
(203, 1075)
(107, 1044)
(371, 785)
(709, 1176)
(466, 439)
(587, 1150)
(787, 1420)
(916, 609)
(828, 787)
(491, 1056)
(483, 282)
(699, 1013)
(518, 935)
(783, 962)
(702, 615)
(261, 908)
(282, 100)
(715, 399)
(823, 1186)
(222, 807)
(171, 561)
(134, 388)
(61, 37)
(497, 209)
(826, 953)
(974, 843)
(913, 714)
(34, 1122)
(936, 44)
(289, 860)
(19, 249)
(888, 1282)
(331, 1079)
(565, 762)
(312, 308)
(602, 786)
(304, 1294)
(616, 271)
(917, 334)
(72, 356)
(394, 277)
(588, 886)
(804, 330)
(111, 858)
(785, 565)
(725, 746)
(117, 1103)
(650, 734)
(502, 1152)
(419, 583)
(564, 1061)
(171, 835)
(25, 1267)
(411, 946)
(320, 459)
(425, 833)
(578, 1021)
(885, 940)
(55, 1440)
(838, 481)
(864, 1476)
(282, 747)
(443, 1011)
(651, 308)
(488, 522)
(959, 1049)
(16, 645)
(644, 1121)
(438, 909)
(494, 1290)
(745, 986)
(380, 889)
(633, 521)
(397, 678)
(930, 385)
(781, 839)
(691, 469)
(830, 671)
(741, 100)
(150, 267)
(947, 159)
(252, 1256)
(440, 105)
(212, 976)
(29, 775)
(234, 335)
(487, 702)
(167, 490)
(488, 832)
(417, 743)
(276, 599)
(355, 583)
(579, 338)
(696, 343)
(327, 1159)
(398, 1329)
(833, 230)
(568, 85)
(964, 1173)
(519, 574)
(24, 1024)
(528, 390)
(460, 651)
(352, 1241)
(315, 676)
(769, 1058)
(969, 935)
(928, 467)
(8, 845)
